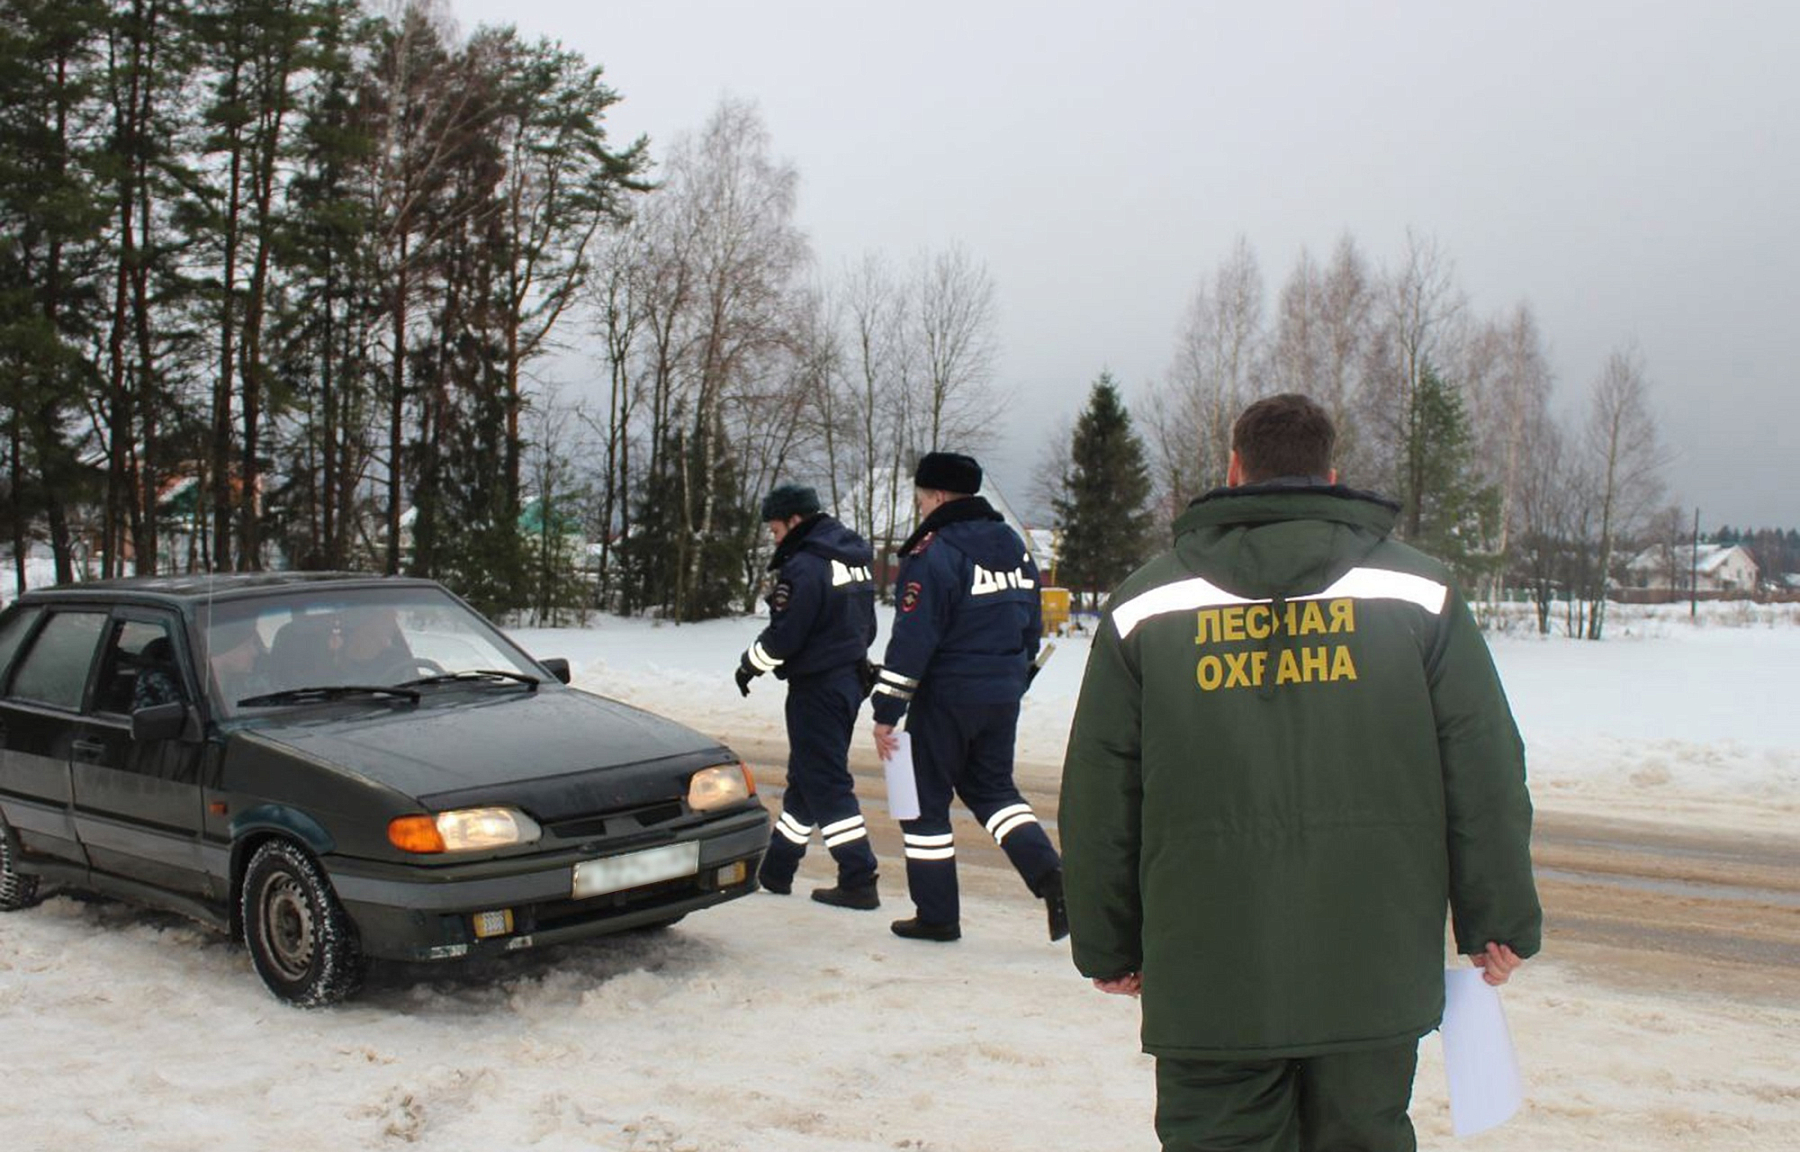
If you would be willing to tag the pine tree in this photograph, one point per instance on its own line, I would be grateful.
(1103, 514)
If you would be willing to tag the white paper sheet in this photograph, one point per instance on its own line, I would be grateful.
(1483, 1069)
(902, 788)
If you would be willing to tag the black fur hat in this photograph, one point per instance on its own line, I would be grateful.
(789, 500)
(948, 472)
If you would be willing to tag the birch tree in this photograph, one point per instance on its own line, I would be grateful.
(1627, 459)
(1218, 368)
(1420, 308)
(955, 313)
(1321, 346)
(1507, 384)
(878, 364)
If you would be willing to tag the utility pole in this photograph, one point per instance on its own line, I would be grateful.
(1694, 570)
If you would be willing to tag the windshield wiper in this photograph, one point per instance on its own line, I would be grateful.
(473, 676)
(323, 693)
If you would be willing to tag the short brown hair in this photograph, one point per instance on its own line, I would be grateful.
(1283, 435)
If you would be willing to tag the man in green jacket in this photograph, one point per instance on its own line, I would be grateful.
(1290, 753)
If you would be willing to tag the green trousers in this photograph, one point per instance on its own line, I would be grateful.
(1344, 1102)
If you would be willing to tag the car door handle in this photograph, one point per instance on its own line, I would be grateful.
(88, 749)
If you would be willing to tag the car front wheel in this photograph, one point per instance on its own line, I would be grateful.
(17, 890)
(300, 940)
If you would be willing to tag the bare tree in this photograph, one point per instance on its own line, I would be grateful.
(1627, 457)
(616, 294)
(878, 366)
(1421, 309)
(1050, 476)
(1506, 378)
(1321, 340)
(1551, 487)
(723, 255)
(955, 314)
(1296, 348)
(556, 567)
(1218, 367)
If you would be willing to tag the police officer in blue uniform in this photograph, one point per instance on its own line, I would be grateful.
(967, 624)
(821, 622)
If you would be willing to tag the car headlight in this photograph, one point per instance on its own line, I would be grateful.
(463, 830)
(720, 787)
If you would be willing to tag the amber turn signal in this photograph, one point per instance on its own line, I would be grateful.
(415, 834)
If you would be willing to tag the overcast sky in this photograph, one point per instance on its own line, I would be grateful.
(1629, 168)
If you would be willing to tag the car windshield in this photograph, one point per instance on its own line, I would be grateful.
(321, 637)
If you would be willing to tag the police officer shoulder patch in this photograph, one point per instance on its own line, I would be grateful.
(778, 599)
(909, 596)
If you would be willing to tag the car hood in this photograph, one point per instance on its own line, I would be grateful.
(462, 747)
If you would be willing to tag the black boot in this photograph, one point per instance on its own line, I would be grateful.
(863, 897)
(1050, 888)
(917, 929)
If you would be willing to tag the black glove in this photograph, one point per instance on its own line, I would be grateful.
(865, 675)
(745, 673)
(1031, 671)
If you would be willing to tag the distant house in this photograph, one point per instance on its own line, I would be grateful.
(1046, 544)
(1714, 568)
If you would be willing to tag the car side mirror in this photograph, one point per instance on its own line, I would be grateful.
(159, 721)
(558, 667)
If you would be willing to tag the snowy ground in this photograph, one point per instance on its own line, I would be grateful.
(776, 1024)
(1667, 719)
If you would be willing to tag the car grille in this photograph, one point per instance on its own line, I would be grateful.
(620, 823)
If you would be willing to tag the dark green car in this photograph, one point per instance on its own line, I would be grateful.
(340, 767)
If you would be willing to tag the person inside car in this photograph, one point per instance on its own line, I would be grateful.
(370, 649)
(158, 681)
(236, 658)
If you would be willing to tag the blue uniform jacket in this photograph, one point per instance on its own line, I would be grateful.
(822, 609)
(968, 617)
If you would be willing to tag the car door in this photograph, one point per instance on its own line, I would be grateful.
(40, 713)
(137, 803)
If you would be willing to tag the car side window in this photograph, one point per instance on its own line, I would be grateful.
(139, 668)
(13, 630)
(55, 670)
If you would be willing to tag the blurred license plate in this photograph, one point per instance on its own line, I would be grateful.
(636, 869)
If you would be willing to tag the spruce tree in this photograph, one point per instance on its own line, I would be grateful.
(1446, 509)
(1103, 515)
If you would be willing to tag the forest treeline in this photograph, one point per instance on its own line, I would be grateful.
(280, 281)
(1446, 411)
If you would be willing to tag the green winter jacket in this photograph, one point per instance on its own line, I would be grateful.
(1291, 752)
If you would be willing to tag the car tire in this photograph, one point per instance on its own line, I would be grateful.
(301, 941)
(17, 890)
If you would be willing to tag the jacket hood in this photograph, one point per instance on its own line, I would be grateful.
(1287, 537)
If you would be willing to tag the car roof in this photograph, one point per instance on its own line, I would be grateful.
(198, 587)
